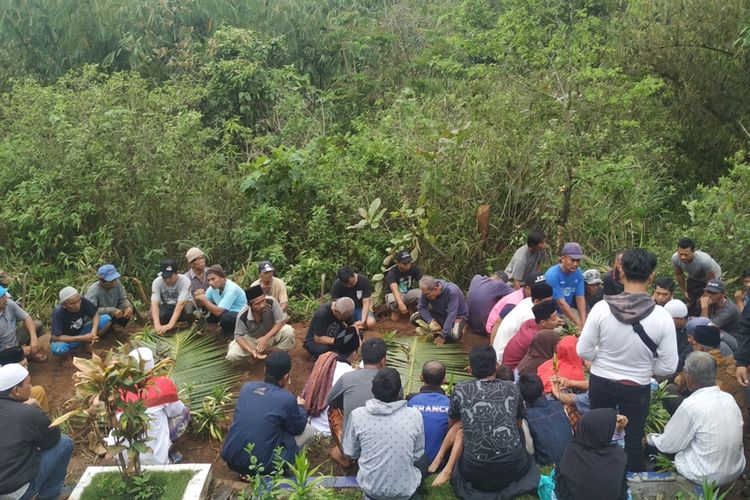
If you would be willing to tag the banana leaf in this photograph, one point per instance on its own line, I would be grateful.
(199, 363)
(407, 355)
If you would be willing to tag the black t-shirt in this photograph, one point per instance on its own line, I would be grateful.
(71, 323)
(612, 286)
(358, 292)
(405, 280)
(325, 324)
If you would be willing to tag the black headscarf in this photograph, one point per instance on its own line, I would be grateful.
(592, 467)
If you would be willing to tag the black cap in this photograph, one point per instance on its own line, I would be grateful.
(706, 335)
(533, 277)
(278, 364)
(253, 292)
(403, 257)
(168, 267)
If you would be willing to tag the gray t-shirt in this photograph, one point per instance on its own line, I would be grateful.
(352, 390)
(726, 318)
(9, 316)
(247, 325)
(170, 295)
(524, 262)
(108, 301)
(701, 265)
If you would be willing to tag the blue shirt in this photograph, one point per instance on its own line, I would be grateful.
(267, 416)
(232, 299)
(567, 286)
(550, 429)
(433, 406)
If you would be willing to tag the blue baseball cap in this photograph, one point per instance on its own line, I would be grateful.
(3, 291)
(108, 272)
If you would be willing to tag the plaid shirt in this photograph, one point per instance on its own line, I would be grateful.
(550, 430)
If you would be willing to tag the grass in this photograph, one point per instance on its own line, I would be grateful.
(106, 485)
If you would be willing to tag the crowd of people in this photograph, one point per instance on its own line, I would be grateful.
(565, 378)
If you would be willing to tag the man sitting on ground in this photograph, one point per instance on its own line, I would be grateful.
(443, 307)
(544, 318)
(511, 324)
(171, 301)
(494, 458)
(566, 280)
(527, 259)
(75, 322)
(269, 417)
(38, 394)
(706, 430)
(433, 404)
(272, 286)
(197, 273)
(25, 336)
(400, 280)
(505, 306)
(261, 325)
(356, 286)
(592, 287)
(722, 312)
(329, 319)
(484, 292)
(108, 294)
(699, 267)
(34, 457)
(388, 439)
(224, 299)
(678, 310)
(663, 290)
(548, 424)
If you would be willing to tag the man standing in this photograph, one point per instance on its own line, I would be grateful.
(197, 273)
(108, 294)
(26, 336)
(442, 305)
(261, 325)
(527, 258)
(357, 287)
(272, 286)
(628, 339)
(75, 321)
(329, 319)
(34, 457)
(663, 290)
(484, 292)
(269, 417)
(706, 430)
(715, 306)
(224, 299)
(400, 280)
(171, 300)
(388, 438)
(566, 281)
(699, 267)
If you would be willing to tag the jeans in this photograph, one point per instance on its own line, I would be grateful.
(227, 320)
(63, 348)
(630, 400)
(50, 478)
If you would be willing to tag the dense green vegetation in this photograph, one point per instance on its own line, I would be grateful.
(131, 130)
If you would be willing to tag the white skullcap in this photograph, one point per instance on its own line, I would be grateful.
(144, 355)
(67, 293)
(676, 308)
(11, 375)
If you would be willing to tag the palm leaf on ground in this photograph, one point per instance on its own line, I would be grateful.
(199, 362)
(408, 354)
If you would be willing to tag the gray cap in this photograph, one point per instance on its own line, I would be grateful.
(592, 277)
(67, 293)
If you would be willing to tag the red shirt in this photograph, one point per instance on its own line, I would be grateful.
(519, 344)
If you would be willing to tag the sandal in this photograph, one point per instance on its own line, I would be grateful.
(38, 357)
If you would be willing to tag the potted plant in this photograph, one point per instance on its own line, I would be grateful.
(102, 386)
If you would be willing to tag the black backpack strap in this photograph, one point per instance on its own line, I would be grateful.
(638, 328)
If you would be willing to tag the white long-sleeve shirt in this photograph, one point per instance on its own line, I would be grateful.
(706, 434)
(616, 351)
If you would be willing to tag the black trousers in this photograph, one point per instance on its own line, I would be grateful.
(630, 400)
(317, 349)
(227, 320)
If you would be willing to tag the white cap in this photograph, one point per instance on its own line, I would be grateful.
(676, 308)
(143, 355)
(67, 293)
(11, 375)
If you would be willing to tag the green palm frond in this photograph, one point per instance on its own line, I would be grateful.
(408, 354)
(199, 362)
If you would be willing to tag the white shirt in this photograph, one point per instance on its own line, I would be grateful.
(320, 423)
(616, 351)
(511, 324)
(158, 433)
(706, 434)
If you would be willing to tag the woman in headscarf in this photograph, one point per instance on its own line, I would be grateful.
(542, 348)
(591, 466)
(569, 365)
